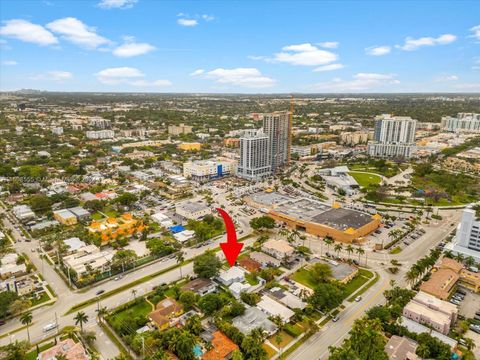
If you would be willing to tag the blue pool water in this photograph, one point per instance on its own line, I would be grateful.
(197, 350)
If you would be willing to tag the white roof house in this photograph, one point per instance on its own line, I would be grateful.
(184, 235)
(237, 288)
(274, 308)
(162, 219)
(233, 274)
(74, 244)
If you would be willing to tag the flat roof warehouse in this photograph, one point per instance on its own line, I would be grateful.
(315, 217)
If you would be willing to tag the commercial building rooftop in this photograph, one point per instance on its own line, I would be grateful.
(342, 219)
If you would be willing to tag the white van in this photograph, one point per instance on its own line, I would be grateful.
(49, 327)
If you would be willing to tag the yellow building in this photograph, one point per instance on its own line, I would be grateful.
(316, 218)
(194, 146)
(65, 217)
(113, 228)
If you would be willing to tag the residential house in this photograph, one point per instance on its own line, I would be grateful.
(222, 347)
(67, 347)
(279, 249)
(274, 308)
(254, 318)
(200, 286)
(232, 275)
(401, 348)
(164, 312)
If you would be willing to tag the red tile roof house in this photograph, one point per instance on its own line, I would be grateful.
(222, 347)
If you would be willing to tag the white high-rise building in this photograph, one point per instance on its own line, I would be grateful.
(254, 157)
(465, 122)
(394, 136)
(276, 126)
(100, 134)
(467, 238)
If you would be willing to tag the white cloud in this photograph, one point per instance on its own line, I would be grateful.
(378, 50)
(244, 77)
(9, 62)
(131, 49)
(56, 75)
(187, 22)
(414, 44)
(128, 76)
(330, 67)
(329, 44)
(304, 54)
(26, 31)
(359, 82)
(476, 32)
(207, 17)
(448, 78)
(77, 32)
(116, 4)
(197, 72)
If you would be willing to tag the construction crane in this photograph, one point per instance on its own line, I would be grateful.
(290, 129)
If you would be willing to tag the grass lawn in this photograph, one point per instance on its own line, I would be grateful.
(362, 277)
(304, 277)
(365, 288)
(43, 298)
(396, 250)
(252, 280)
(97, 216)
(286, 339)
(142, 309)
(270, 351)
(32, 355)
(294, 330)
(364, 180)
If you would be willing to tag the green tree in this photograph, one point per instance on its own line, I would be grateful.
(180, 258)
(6, 300)
(210, 303)
(262, 222)
(126, 199)
(40, 203)
(321, 272)
(80, 319)
(26, 319)
(207, 265)
(326, 296)
(188, 299)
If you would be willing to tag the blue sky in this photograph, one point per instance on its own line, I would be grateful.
(244, 46)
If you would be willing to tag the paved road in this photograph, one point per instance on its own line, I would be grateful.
(316, 347)
(67, 298)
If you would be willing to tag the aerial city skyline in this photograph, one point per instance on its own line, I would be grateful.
(239, 180)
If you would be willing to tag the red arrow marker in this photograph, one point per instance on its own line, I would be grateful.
(231, 248)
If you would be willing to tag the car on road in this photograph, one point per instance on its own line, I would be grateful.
(116, 278)
(99, 292)
(2, 322)
(358, 299)
(49, 327)
(335, 318)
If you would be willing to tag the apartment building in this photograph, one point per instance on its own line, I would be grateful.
(394, 136)
(254, 159)
(277, 127)
(463, 122)
(179, 129)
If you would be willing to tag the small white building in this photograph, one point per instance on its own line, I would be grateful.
(192, 210)
(274, 308)
(232, 275)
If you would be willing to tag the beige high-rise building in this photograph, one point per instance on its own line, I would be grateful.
(276, 126)
(179, 129)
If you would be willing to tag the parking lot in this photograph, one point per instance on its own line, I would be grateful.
(470, 304)
(476, 340)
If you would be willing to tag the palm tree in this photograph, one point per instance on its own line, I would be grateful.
(449, 254)
(134, 293)
(459, 257)
(410, 277)
(360, 252)
(295, 234)
(469, 261)
(180, 259)
(338, 248)
(101, 313)
(80, 319)
(329, 241)
(470, 344)
(392, 283)
(26, 319)
(349, 249)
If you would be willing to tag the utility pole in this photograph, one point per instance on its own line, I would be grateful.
(56, 321)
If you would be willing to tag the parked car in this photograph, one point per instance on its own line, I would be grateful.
(358, 299)
(335, 318)
(99, 292)
(49, 327)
